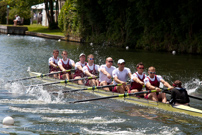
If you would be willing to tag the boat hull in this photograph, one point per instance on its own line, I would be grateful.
(131, 99)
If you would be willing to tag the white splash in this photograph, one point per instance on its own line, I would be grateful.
(15, 88)
(46, 110)
(44, 95)
(192, 85)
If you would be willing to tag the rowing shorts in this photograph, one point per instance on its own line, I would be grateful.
(114, 89)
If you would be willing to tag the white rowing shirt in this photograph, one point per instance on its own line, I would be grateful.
(146, 80)
(103, 77)
(136, 75)
(80, 64)
(52, 59)
(122, 75)
(85, 68)
(65, 62)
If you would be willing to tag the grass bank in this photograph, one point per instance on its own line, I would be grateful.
(43, 29)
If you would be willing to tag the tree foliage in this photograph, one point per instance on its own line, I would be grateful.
(19, 7)
(154, 25)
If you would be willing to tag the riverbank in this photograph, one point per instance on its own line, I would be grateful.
(39, 31)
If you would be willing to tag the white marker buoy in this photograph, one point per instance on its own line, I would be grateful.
(8, 34)
(127, 47)
(91, 43)
(8, 120)
(33, 37)
(173, 52)
(59, 40)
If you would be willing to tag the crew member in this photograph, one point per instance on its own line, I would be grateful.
(53, 63)
(179, 95)
(79, 68)
(152, 82)
(91, 70)
(137, 79)
(105, 76)
(65, 64)
(120, 76)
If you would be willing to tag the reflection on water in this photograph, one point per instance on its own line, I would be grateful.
(37, 111)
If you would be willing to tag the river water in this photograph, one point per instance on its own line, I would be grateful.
(37, 111)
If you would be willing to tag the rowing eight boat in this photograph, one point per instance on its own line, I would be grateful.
(132, 99)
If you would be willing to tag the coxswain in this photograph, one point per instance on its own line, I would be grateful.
(179, 95)
(105, 74)
(91, 70)
(137, 79)
(120, 76)
(79, 68)
(53, 63)
(152, 82)
(65, 64)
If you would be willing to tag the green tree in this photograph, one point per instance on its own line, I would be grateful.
(3, 11)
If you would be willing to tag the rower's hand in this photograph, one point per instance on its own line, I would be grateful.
(142, 83)
(93, 76)
(123, 83)
(109, 76)
(170, 88)
(55, 66)
(158, 89)
(64, 71)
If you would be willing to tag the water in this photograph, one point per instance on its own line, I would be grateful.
(36, 111)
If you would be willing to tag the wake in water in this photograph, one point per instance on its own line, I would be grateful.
(38, 92)
(192, 86)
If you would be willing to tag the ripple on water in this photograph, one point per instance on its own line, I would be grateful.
(137, 131)
(95, 120)
(46, 110)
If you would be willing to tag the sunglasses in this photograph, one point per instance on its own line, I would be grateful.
(111, 61)
(91, 58)
(152, 72)
(141, 68)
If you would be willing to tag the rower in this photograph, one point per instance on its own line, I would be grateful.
(65, 64)
(105, 76)
(120, 75)
(53, 63)
(137, 79)
(152, 82)
(179, 95)
(79, 68)
(91, 70)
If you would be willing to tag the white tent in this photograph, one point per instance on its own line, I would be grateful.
(39, 6)
(44, 17)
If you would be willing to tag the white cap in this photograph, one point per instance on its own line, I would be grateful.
(82, 54)
(121, 61)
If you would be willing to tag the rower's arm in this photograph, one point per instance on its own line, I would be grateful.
(52, 64)
(103, 70)
(130, 75)
(148, 85)
(137, 80)
(89, 74)
(80, 68)
(61, 67)
(166, 84)
(73, 65)
(117, 80)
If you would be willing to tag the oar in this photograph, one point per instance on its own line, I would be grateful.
(168, 92)
(42, 75)
(90, 88)
(114, 96)
(63, 81)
